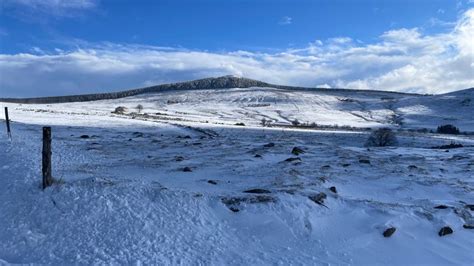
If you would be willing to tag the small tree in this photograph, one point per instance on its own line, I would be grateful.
(139, 108)
(295, 123)
(382, 137)
(264, 122)
(447, 129)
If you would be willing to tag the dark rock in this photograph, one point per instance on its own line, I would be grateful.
(292, 159)
(389, 231)
(179, 158)
(470, 206)
(445, 231)
(258, 156)
(235, 201)
(213, 182)
(261, 199)
(297, 151)
(257, 191)
(84, 136)
(240, 124)
(468, 226)
(234, 209)
(187, 169)
(333, 189)
(346, 164)
(319, 198)
(441, 207)
(138, 134)
(325, 167)
(412, 167)
(366, 161)
(269, 145)
(197, 143)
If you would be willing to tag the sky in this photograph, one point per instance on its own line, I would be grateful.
(62, 47)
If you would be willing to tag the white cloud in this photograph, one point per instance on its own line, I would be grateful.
(401, 60)
(286, 20)
(59, 8)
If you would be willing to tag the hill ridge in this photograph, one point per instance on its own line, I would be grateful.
(223, 82)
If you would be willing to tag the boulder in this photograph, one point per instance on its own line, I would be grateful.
(389, 231)
(445, 231)
(297, 151)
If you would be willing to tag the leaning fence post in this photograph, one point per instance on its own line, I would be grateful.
(7, 121)
(47, 178)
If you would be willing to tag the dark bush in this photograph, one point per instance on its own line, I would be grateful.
(447, 129)
(120, 110)
(382, 137)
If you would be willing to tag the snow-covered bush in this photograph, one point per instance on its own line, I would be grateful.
(447, 129)
(382, 137)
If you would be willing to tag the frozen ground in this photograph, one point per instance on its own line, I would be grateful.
(125, 198)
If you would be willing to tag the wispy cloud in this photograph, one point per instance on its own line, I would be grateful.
(401, 60)
(58, 8)
(285, 20)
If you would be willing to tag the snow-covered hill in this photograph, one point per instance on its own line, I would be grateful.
(282, 107)
(185, 185)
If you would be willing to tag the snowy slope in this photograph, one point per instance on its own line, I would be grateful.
(125, 198)
(251, 105)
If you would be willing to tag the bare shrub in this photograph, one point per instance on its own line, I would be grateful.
(120, 110)
(382, 137)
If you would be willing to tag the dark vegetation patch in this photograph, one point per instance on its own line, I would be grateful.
(452, 145)
(447, 129)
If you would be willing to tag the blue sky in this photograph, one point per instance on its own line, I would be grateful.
(83, 46)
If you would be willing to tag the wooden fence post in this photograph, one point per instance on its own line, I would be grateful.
(47, 178)
(7, 120)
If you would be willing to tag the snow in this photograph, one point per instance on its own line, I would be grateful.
(124, 199)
